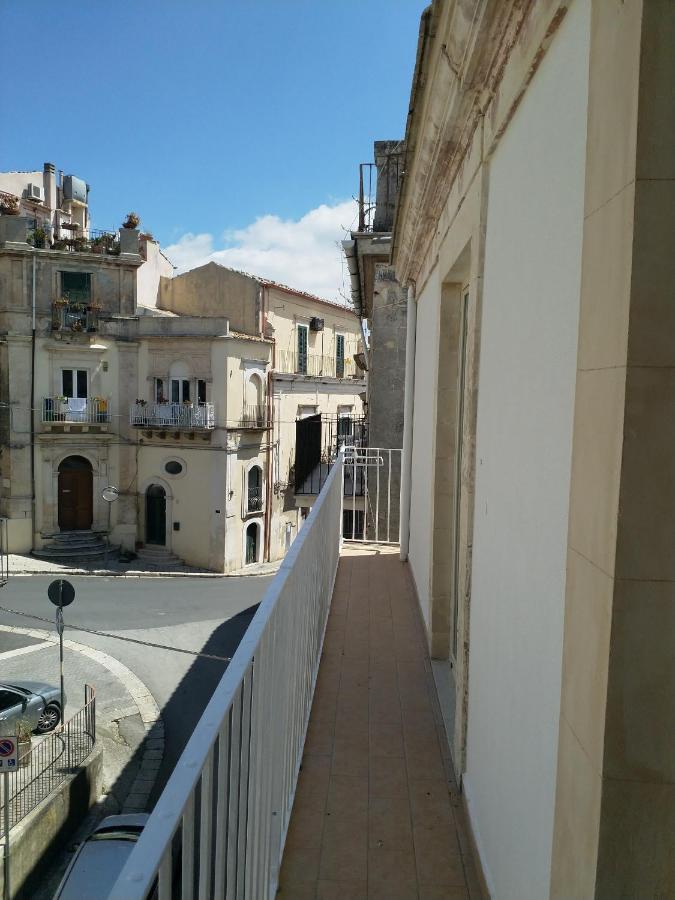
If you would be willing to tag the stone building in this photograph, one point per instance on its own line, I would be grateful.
(188, 412)
(533, 231)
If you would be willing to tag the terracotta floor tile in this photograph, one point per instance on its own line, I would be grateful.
(350, 757)
(300, 865)
(347, 793)
(306, 828)
(442, 892)
(388, 777)
(437, 856)
(344, 857)
(297, 890)
(342, 890)
(386, 739)
(389, 825)
(391, 868)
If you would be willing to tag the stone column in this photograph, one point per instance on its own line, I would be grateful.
(615, 803)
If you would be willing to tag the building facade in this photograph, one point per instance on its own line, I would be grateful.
(531, 233)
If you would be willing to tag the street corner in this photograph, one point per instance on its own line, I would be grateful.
(128, 719)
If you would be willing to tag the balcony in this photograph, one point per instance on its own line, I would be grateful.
(290, 362)
(173, 416)
(254, 416)
(75, 411)
(75, 312)
(255, 499)
(330, 690)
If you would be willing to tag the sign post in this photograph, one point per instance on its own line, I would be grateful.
(9, 757)
(61, 593)
(109, 493)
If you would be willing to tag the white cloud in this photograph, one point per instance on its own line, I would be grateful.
(303, 253)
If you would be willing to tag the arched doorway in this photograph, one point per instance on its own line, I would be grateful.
(252, 543)
(76, 494)
(155, 515)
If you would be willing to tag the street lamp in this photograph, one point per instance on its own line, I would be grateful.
(109, 493)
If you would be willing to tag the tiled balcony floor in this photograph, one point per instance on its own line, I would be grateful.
(375, 813)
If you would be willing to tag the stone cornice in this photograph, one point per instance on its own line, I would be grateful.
(474, 62)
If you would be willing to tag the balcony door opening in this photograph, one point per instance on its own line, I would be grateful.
(155, 515)
(303, 340)
(75, 494)
(255, 487)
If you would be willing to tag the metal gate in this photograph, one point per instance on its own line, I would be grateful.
(372, 484)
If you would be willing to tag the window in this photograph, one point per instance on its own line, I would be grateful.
(301, 366)
(76, 286)
(8, 699)
(255, 496)
(180, 390)
(201, 391)
(160, 396)
(173, 467)
(74, 383)
(339, 356)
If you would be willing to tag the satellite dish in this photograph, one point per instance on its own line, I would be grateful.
(110, 493)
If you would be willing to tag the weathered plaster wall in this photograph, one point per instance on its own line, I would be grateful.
(523, 451)
(213, 290)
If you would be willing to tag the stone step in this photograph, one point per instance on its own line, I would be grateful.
(62, 555)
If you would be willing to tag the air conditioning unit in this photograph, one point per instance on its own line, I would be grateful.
(34, 192)
(316, 324)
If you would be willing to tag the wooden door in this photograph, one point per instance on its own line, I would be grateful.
(75, 499)
(155, 515)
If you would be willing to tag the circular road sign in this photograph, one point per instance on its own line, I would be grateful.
(110, 493)
(61, 592)
(7, 747)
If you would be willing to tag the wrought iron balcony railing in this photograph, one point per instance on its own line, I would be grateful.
(173, 415)
(76, 410)
(255, 499)
(292, 363)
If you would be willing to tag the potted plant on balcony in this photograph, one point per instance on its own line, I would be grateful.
(132, 220)
(9, 205)
(37, 238)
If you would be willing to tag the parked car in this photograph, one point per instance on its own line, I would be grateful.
(34, 703)
(101, 857)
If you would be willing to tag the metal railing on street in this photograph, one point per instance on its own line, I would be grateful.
(48, 763)
(87, 411)
(219, 827)
(172, 415)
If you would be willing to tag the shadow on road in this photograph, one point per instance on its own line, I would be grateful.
(180, 715)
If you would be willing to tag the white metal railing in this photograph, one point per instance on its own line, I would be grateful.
(173, 415)
(293, 363)
(219, 827)
(83, 410)
(372, 479)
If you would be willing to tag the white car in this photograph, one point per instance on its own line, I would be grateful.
(101, 857)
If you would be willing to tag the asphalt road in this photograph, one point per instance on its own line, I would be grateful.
(198, 614)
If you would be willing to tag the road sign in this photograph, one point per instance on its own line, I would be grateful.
(9, 750)
(61, 592)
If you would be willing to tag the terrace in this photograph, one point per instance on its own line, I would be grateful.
(319, 767)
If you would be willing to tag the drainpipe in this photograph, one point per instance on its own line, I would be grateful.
(32, 408)
(408, 410)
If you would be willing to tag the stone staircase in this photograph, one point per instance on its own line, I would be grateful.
(74, 548)
(153, 556)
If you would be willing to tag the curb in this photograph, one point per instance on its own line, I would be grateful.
(97, 573)
(146, 705)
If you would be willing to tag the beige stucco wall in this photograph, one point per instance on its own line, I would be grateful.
(155, 266)
(212, 290)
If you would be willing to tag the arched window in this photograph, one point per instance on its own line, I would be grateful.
(255, 489)
(254, 403)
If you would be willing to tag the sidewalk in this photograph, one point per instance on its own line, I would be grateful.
(20, 564)
(127, 717)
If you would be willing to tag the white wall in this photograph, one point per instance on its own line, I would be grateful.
(523, 452)
(424, 425)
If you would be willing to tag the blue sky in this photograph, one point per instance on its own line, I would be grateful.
(208, 117)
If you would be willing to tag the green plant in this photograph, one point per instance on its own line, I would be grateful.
(132, 220)
(37, 238)
(24, 732)
(9, 206)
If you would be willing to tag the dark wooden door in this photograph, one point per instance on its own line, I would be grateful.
(75, 499)
(155, 515)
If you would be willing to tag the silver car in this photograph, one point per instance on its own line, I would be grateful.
(34, 703)
(101, 857)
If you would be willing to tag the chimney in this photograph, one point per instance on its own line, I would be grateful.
(49, 182)
(389, 162)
